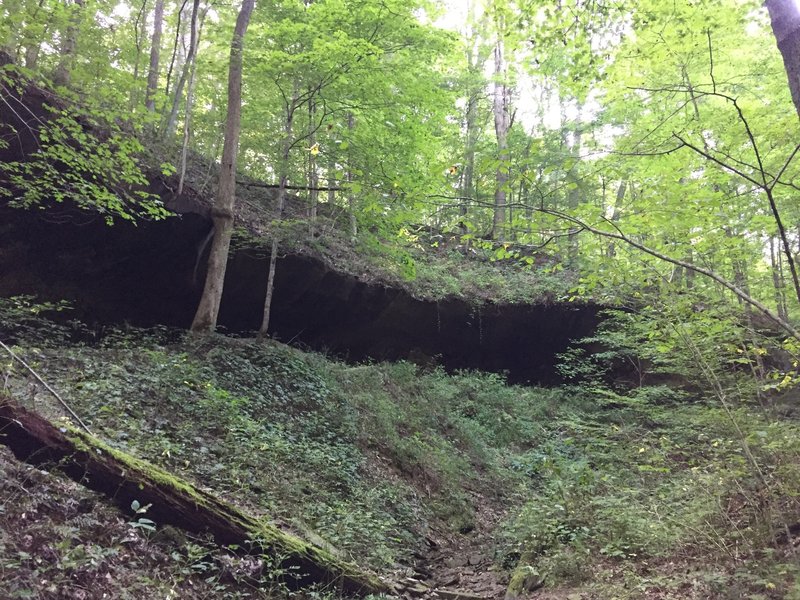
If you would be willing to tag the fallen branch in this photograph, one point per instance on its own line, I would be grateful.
(46, 386)
(744, 296)
(123, 479)
(275, 186)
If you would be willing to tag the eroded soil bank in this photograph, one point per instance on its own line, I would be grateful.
(152, 274)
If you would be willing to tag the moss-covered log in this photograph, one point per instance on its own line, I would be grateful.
(124, 478)
(525, 578)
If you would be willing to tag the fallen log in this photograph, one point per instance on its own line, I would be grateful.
(125, 479)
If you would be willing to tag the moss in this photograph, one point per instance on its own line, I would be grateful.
(87, 443)
(525, 578)
(269, 538)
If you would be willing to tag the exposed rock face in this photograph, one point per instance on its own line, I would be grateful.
(145, 275)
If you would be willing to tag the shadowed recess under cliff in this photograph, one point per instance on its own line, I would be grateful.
(145, 275)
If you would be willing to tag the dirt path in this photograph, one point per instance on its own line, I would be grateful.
(460, 566)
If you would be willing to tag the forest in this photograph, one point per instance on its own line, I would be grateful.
(442, 299)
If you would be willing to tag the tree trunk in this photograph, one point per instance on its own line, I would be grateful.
(777, 280)
(178, 27)
(187, 118)
(63, 71)
(574, 193)
(787, 248)
(32, 40)
(205, 320)
(280, 203)
(502, 124)
(155, 57)
(32, 55)
(172, 121)
(785, 18)
(139, 27)
(468, 175)
(615, 213)
(125, 479)
(313, 175)
(263, 331)
(351, 200)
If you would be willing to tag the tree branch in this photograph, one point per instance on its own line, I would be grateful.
(619, 235)
(275, 186)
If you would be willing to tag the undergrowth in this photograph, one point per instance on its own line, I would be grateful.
(60, 540)
(617, 494)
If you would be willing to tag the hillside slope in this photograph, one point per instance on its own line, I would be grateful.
(451, 480)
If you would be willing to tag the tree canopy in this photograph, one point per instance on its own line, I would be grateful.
(631, 143)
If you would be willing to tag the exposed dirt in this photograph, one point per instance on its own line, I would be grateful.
(152, 274)
(461, 566)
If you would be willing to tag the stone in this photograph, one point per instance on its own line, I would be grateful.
(457, 561)
(459, 595)
(477, 559)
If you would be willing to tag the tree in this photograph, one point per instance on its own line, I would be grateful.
(785, 18)
(187, 71)
(69, 42)
(205, 319)
(155, 55)
(502, 125)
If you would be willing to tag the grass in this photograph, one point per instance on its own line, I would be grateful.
(648, 493)
(429, 269)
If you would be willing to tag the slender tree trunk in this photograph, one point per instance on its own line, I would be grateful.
(787, 248)
(574, 194)
(178, 28)
(187, 119)
(690, 273)
(172, 121)
(351, 200)
(263, 331)
(741, 281)
(313, 175)
(475, 63)
(477, 53)
(155, 57)
(139, 27)
(777, 280)
(331, 182)
(63, 71)
(205, 320)
(615, 214)
(471, 123)
(502, 124)
(785, 18)
(280, 203)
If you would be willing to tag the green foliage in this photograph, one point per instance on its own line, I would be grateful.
(83, 157)
(361, 459)
(639, 481)
(23, 320)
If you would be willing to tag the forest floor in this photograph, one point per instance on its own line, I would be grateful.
(59, 541)
(439, 481)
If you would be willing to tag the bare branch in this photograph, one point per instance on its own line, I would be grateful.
(784, 167)
(708, 156)
(744, 296)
